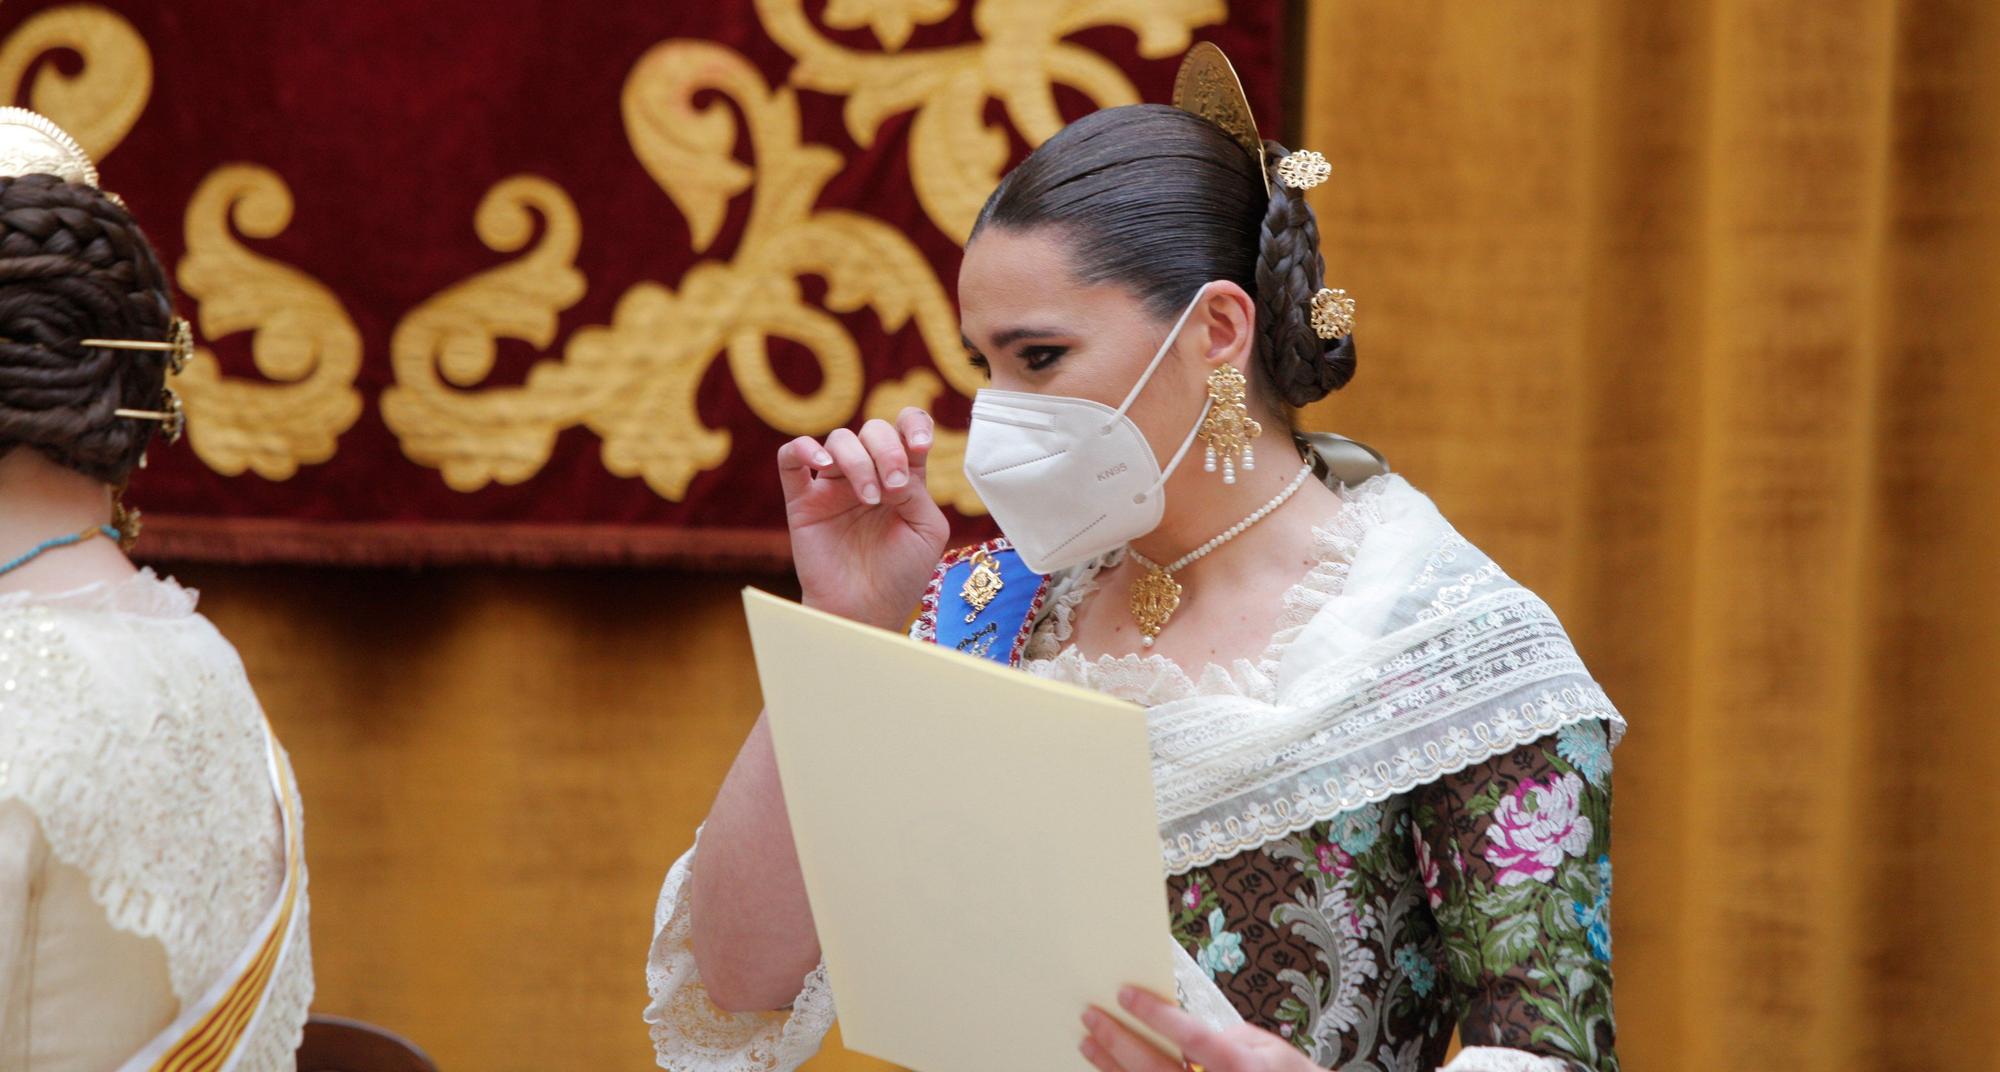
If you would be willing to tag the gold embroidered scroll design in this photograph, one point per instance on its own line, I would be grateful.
(303, 340)
(635, 381)
(892, 21)
(662, 342)
(100, 101)
(955, 157)
(445, 347)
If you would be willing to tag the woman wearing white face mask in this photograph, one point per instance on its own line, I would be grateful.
(1406, 829)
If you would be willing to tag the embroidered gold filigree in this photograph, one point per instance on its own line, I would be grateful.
(634, 382)
(99, 101)
(1154, 599)
(443, 348)
(891, 20)
(303, 339)
(955, 156)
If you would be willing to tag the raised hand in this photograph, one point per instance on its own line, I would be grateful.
(865, 532)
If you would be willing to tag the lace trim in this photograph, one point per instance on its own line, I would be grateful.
(1359, 785)
(101, 721)
(145, 593)
(690, 1034)
(1155, 679)
(1498, 675)
(1496, 1059)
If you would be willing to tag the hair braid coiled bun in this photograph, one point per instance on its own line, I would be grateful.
(74, 265)
(1303, 367)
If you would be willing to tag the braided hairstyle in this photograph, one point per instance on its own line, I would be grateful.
(1162, 201)
(74, 265)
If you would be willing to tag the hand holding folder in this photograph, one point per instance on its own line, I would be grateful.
(979, 845)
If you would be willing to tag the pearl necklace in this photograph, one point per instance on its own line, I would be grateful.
(1157, 595)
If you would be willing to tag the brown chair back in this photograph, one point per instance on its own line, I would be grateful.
(334, 1044)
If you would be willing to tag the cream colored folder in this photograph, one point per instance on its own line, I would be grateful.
(979, 845)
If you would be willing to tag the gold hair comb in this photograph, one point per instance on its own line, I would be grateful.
(179, 345)
(1207, 86)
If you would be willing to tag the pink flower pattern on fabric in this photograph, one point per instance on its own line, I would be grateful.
(1333, 860)
(1535, 827)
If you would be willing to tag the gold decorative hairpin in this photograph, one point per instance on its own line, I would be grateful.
(1207, 86)
(172, 416)
(1303, 169)
(1332, 314)
(179, 345)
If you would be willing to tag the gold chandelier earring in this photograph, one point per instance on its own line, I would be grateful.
(1229, 428)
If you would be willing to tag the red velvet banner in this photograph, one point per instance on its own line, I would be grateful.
(532, 281)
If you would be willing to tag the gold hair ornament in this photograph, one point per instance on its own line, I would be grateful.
(1332, 314)
(179, 345)
(172, 416)
(1208, 87)
(1303, 169)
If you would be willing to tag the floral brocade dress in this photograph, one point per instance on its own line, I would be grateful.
(1479, 901)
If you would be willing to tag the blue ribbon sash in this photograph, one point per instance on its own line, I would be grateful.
(953, 618)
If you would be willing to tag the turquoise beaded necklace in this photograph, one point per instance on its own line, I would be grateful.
(56, 543)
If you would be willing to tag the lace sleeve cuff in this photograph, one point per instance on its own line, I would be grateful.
(690, 1034)
(1496, 1059)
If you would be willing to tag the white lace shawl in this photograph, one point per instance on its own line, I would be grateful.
(128, 727)
(1405, 655)
(1421, 659)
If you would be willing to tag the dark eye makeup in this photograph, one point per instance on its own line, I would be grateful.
(1041, 357)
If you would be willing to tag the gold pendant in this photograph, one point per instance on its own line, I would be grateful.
(1155, 597)
(982, 586)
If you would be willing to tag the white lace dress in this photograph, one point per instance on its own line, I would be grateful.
(140, 841)
(1416, 684)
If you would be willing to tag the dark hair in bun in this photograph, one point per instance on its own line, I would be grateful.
(1162, 201)
(74, 265)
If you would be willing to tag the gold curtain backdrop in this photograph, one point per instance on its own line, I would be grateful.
(1680, 310)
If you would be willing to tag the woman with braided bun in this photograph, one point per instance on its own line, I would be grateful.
(152, 880)
(1381, 772)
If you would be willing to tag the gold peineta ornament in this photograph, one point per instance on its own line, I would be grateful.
(1207, 86)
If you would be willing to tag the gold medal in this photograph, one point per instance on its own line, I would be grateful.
(982, 585)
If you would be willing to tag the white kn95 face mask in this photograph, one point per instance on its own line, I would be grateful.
(1066, 478)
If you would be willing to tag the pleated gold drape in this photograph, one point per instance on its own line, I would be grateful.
(1685, 312)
